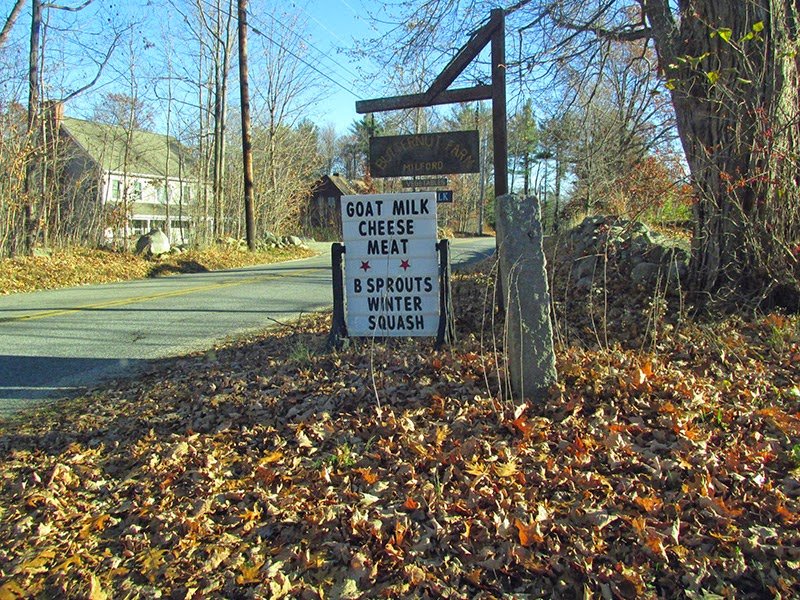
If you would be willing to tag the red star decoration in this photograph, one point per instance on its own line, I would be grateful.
(404, 265)
(365, 265)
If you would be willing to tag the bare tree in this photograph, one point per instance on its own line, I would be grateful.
(733, 81)
(12, 18)
(35, 215)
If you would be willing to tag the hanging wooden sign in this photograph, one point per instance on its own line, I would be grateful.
(424, 154)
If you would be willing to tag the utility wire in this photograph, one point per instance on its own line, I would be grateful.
(322, 53)
(306, 63)
(290, 52)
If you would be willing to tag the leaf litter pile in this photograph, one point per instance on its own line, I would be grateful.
(80, 266)
(270, 468)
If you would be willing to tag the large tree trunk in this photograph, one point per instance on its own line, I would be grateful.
(732, 69)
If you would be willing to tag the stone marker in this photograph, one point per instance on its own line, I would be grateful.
(529, 343)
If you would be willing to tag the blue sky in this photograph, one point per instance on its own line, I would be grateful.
(77, 41)
(329, 27)
(334, 25)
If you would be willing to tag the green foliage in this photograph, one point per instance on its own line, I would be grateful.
(671, 211)
(301, 353)
(795, 455)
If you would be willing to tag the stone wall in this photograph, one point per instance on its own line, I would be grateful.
(636, 251)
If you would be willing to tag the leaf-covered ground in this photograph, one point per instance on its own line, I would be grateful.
(81, 266)
(270, 468)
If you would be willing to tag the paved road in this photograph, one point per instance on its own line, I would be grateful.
(56, 343)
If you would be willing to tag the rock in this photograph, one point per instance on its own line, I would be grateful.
(270, 239)
(645, 274)
(531, 358)
(584, 267)
(293, 240)
(154, 243)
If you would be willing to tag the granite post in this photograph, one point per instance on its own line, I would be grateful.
(529, 333)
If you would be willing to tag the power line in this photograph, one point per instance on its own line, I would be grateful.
(322, 53)
(290, 52)
(306, 63)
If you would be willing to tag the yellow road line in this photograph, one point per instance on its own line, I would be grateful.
(125, 301)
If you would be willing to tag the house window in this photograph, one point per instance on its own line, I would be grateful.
(116, 189)
(163, 193)
(331, 201)
(186, 192)
(137, 191)
(139, 226)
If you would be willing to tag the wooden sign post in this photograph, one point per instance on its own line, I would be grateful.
(493, 32)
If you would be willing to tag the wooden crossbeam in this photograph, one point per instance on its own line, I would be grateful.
(471, 94)
(469, 52)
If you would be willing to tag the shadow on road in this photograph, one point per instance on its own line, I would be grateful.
(27, 380)
(183, 266)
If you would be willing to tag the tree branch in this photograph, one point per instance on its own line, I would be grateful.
(12, 18)
(516, 7)
(102, 66)
(629, 33)
(68, 8)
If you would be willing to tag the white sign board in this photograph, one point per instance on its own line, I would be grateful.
(390, 263)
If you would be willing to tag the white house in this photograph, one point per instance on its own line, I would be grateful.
(141, 179)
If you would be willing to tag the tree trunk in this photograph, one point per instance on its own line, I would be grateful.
(733, 74)
(29, 216)
(247, 149)
(12, 18)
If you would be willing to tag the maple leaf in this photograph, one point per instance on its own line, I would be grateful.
(442, 433)
(75, 560)
(656, 546)
(649, 504)
(474, 576)
(507, 469)
(476, 467)
(410, 504)
(528, 533)
(39, 564)
(151, 562)
(271, 457)
(249, 515)
(250, 573)
(98, 523)
(522, 425)
(788, 517)
(368, 475)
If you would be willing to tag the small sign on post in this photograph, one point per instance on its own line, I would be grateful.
(391, 264)
(424, 182)
(444, 197)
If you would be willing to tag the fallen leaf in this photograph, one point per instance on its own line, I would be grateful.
(529, 533)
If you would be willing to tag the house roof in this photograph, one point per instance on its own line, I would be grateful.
(147, 152)
(342, 184)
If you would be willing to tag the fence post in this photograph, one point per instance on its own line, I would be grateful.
(337, 338)
(447, 329)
